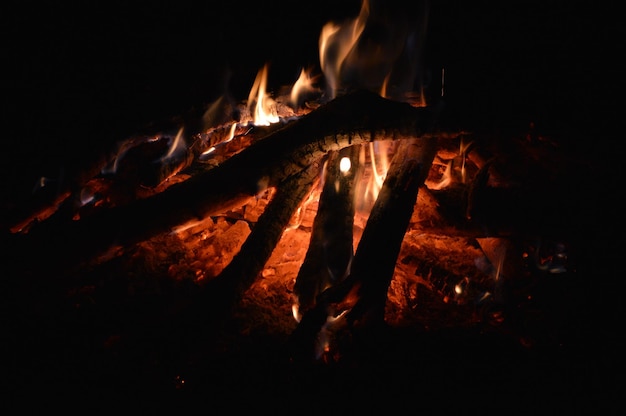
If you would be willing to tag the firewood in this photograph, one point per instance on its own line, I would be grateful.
(227, 288)
(377, 252)
(352, 119)
(364, 292)
(331, 246)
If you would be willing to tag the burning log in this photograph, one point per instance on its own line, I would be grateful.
(351, 119)
(241, 272)
(374, 262)
(362, 295)
(331, 247)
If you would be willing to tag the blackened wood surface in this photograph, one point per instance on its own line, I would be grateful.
(377, 253)
(243, 270)
(355, 118)
(364, 291)
(331, 245)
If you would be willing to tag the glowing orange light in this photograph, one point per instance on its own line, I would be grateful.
(304, 84)
(261, 106)
(335, 44)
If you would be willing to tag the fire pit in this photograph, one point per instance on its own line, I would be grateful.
(337, 233)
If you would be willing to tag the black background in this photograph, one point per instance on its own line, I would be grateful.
(78, 78)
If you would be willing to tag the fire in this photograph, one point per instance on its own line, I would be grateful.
(304, 85)
(260, 104)
(335, 44)
(373, 51)
(452, 167)
(177, 145)
(344, 56)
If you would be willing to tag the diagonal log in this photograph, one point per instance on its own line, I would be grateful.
(364, 292)
(375, 259)
(231, 284)
(355, 118)
(331, 245)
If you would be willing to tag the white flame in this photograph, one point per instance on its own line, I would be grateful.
(264, 112)
(345, 165)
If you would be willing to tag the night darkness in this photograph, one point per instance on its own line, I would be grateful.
(78, 79)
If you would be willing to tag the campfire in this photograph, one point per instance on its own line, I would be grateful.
(320, 215)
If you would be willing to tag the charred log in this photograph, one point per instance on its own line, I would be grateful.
(227, 288)
(364, 292)
(331, 246)
(351, 119)
(377, 253)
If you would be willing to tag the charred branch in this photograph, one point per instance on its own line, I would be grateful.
(227, 288)
(331, 246)
(352, 119)
(364, 292)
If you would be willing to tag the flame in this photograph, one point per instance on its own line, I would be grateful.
(463, 148)
(383, 89)
(303, 86)
(333, 324)
(295, 311)
(178, 145)
(264, 110)
(335, 44)
(378, 166)
(455, 169)
(378, 50)
(298, 216)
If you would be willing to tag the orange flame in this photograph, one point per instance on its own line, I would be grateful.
(264, 110)
(303, 85)
(336, 43)
(378, 50)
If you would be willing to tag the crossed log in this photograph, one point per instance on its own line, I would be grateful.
(291, 160)
(271, 161)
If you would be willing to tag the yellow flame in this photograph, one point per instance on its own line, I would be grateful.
(178, 142)
(462, 152)
(208, 151)
(304, 84)
(379, 164)
(335, 44)
(367, 191)
(264, 112)
(500, 265)
(295, 310)
(231, 134)
(383, 89)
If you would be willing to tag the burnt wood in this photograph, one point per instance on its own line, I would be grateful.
(331, 245)
(363, 293)
(230, 285)
(351, 119)
(377, 253)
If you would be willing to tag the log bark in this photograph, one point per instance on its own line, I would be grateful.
(228, 287)
(375, 259)
(352, 119)
(331, 245)
(364, 292)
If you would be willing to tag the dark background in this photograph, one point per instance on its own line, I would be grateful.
(77, 79)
